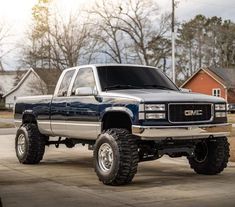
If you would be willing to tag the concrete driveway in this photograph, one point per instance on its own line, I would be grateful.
(66, 178)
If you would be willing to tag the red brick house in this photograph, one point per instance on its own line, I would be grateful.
(217, 82)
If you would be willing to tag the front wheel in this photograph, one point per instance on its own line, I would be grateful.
(116, 157)
(29, 144)
(211, 156)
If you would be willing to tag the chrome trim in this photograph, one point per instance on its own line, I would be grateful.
(207, 121)
(181, 132)
(141, 107)
(141, 115)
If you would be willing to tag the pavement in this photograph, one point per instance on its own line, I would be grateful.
(66, 178)
(6, 120)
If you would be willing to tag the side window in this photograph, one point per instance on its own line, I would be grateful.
(65, 83)
(216, 92)
(84, 78)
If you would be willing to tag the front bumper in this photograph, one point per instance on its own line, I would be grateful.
(181, 132)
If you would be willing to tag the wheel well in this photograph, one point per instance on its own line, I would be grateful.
(116, 120)
(29, 118)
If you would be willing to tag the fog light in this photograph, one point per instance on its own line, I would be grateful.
(155, 116)
(220, 114)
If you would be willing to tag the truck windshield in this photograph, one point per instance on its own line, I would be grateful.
(131, 77)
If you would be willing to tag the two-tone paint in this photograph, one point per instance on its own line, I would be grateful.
(82, 116)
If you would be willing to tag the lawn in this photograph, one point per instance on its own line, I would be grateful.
(6, 125)
(231, 118)
(6, 114)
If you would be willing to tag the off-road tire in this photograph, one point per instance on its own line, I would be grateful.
(125, 157)
(34, 144)
(216, 159)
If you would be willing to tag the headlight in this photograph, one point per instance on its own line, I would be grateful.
(220, 107)
(155, 107)
(155, 115)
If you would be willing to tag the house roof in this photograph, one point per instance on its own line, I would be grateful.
(8, 79)
(50, 77)
(224, 76)
(19, 83)
(227, 75)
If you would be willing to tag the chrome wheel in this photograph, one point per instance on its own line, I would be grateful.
(21, 144)
(105, 156)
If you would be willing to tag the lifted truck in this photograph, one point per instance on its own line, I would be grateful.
(126, 114)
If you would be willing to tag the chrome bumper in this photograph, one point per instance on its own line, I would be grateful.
(181, 132)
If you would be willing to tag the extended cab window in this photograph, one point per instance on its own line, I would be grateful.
(65, 83)
(84, 78)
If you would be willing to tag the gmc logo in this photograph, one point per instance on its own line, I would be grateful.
(193, 112)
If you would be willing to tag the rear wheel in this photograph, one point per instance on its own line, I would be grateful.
(29, 144)
(116, 157)
(211, 156)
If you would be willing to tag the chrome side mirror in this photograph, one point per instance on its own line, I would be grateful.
(85, 91)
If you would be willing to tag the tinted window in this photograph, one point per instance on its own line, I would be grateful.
(65, 83)
(84, 78)
(122, 77)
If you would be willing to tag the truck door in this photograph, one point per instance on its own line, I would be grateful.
(82, 117)
(59, 104)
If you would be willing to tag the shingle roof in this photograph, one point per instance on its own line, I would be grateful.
(226, 74)
(50, 77)
(8, 79)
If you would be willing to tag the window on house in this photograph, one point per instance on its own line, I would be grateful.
(216, 92)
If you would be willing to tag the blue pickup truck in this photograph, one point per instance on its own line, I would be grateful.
(126, 114)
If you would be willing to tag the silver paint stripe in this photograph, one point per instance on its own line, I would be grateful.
(78, 123)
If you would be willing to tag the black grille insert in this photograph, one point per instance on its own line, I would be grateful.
(190, 112)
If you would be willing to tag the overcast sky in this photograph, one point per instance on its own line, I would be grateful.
(17, 14)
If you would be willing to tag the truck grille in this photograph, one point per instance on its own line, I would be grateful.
(179, 113)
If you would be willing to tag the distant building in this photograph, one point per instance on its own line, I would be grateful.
(216, 82)
(29, 82)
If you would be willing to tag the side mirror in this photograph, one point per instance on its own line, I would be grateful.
(185, 90)
(85, 91)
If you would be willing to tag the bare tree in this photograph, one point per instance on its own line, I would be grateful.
(107, 33)
(139, 20)
(69, 40)
(4, 35)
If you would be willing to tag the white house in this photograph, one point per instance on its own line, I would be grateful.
(33, 82)
(7, 81)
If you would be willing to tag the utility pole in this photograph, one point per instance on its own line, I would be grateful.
(173, 40)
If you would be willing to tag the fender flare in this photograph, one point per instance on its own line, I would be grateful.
(118, 109)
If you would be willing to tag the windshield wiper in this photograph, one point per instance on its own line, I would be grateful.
(158, 86)
(120, 86)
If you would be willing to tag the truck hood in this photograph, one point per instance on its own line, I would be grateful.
(157, 95)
